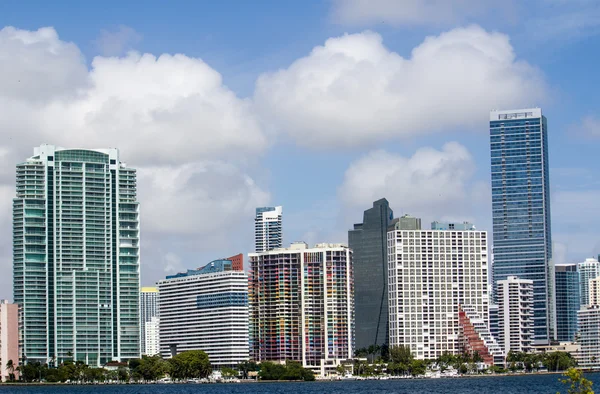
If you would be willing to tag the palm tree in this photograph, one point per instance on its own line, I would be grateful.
(10, 367)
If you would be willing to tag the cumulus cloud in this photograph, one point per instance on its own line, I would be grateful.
(431, 184)
(192, 139)
(353, 90)
(118, 41)
(413, 12)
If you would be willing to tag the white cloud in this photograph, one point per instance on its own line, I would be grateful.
(118, 41)
(197, 198)
(588, 127)
(353, 90)
(432, 184)
(193, 140)
(413, 12)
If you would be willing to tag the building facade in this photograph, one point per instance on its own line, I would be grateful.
(588, 270)
(566, 288)
(432, 274)
(76, 257)
(521, 208)
(588, 321)
(515, 314)
(148, 311)
(9, 339)
(205, 309)
(268, 229)
(152, 337)
(302, 305)
(367, 240)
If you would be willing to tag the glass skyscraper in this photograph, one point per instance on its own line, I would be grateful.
(76, 257)
(566, 279)
(521, 208)
(368, 241)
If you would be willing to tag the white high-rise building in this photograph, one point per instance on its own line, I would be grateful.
(431, 275)
(76, 260)
(515, 314)
(152, 336)
(268, 229)
(205, 309)
(588, 269)
(588, 323)
(302, 305)
(148, 313)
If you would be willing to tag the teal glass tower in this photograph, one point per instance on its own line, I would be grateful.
(521, 208)
(76, 256)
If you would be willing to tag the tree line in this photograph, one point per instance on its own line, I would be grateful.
(399, 360)
(192, 364)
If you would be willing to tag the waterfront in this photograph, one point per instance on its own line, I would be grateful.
(546, 383)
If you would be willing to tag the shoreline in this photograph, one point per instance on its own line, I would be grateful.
(5, 384)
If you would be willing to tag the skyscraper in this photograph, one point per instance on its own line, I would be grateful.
(76, 256)
(148, 312)
(368, 241)
(302, 305)
(433, 273)
(588, 270)
(521, 208)
(205, 309)
(268, 229)
(566, 291)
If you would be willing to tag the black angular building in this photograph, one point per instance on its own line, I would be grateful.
(368, 240)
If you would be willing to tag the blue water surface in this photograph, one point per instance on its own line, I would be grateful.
(547, 384)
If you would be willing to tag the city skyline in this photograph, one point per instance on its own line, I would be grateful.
(217, 113)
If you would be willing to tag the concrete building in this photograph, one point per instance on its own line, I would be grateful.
(152, 336)
(268, 233)
(521, 208)
(588, 321)
(302, 305)
(432, 274)
(367, 240)
(594, 291)
(205, 309)
(566, 288)
(148, 312)
(9, 339)
(76, 257)
(515, 314)
(588, 269)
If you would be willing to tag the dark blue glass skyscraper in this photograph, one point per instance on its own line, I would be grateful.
(521, 207)
(566, 290)
(368, 240)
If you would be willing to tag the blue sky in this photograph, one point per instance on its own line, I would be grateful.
(319, 106)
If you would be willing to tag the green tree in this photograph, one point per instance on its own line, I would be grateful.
(229, 372)
(190, 364)
(418, 367)
(401, 354)
(10, 367)
(123, 374)
(247, 366)
(578, 384)
(271, 371)
(559, 361)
